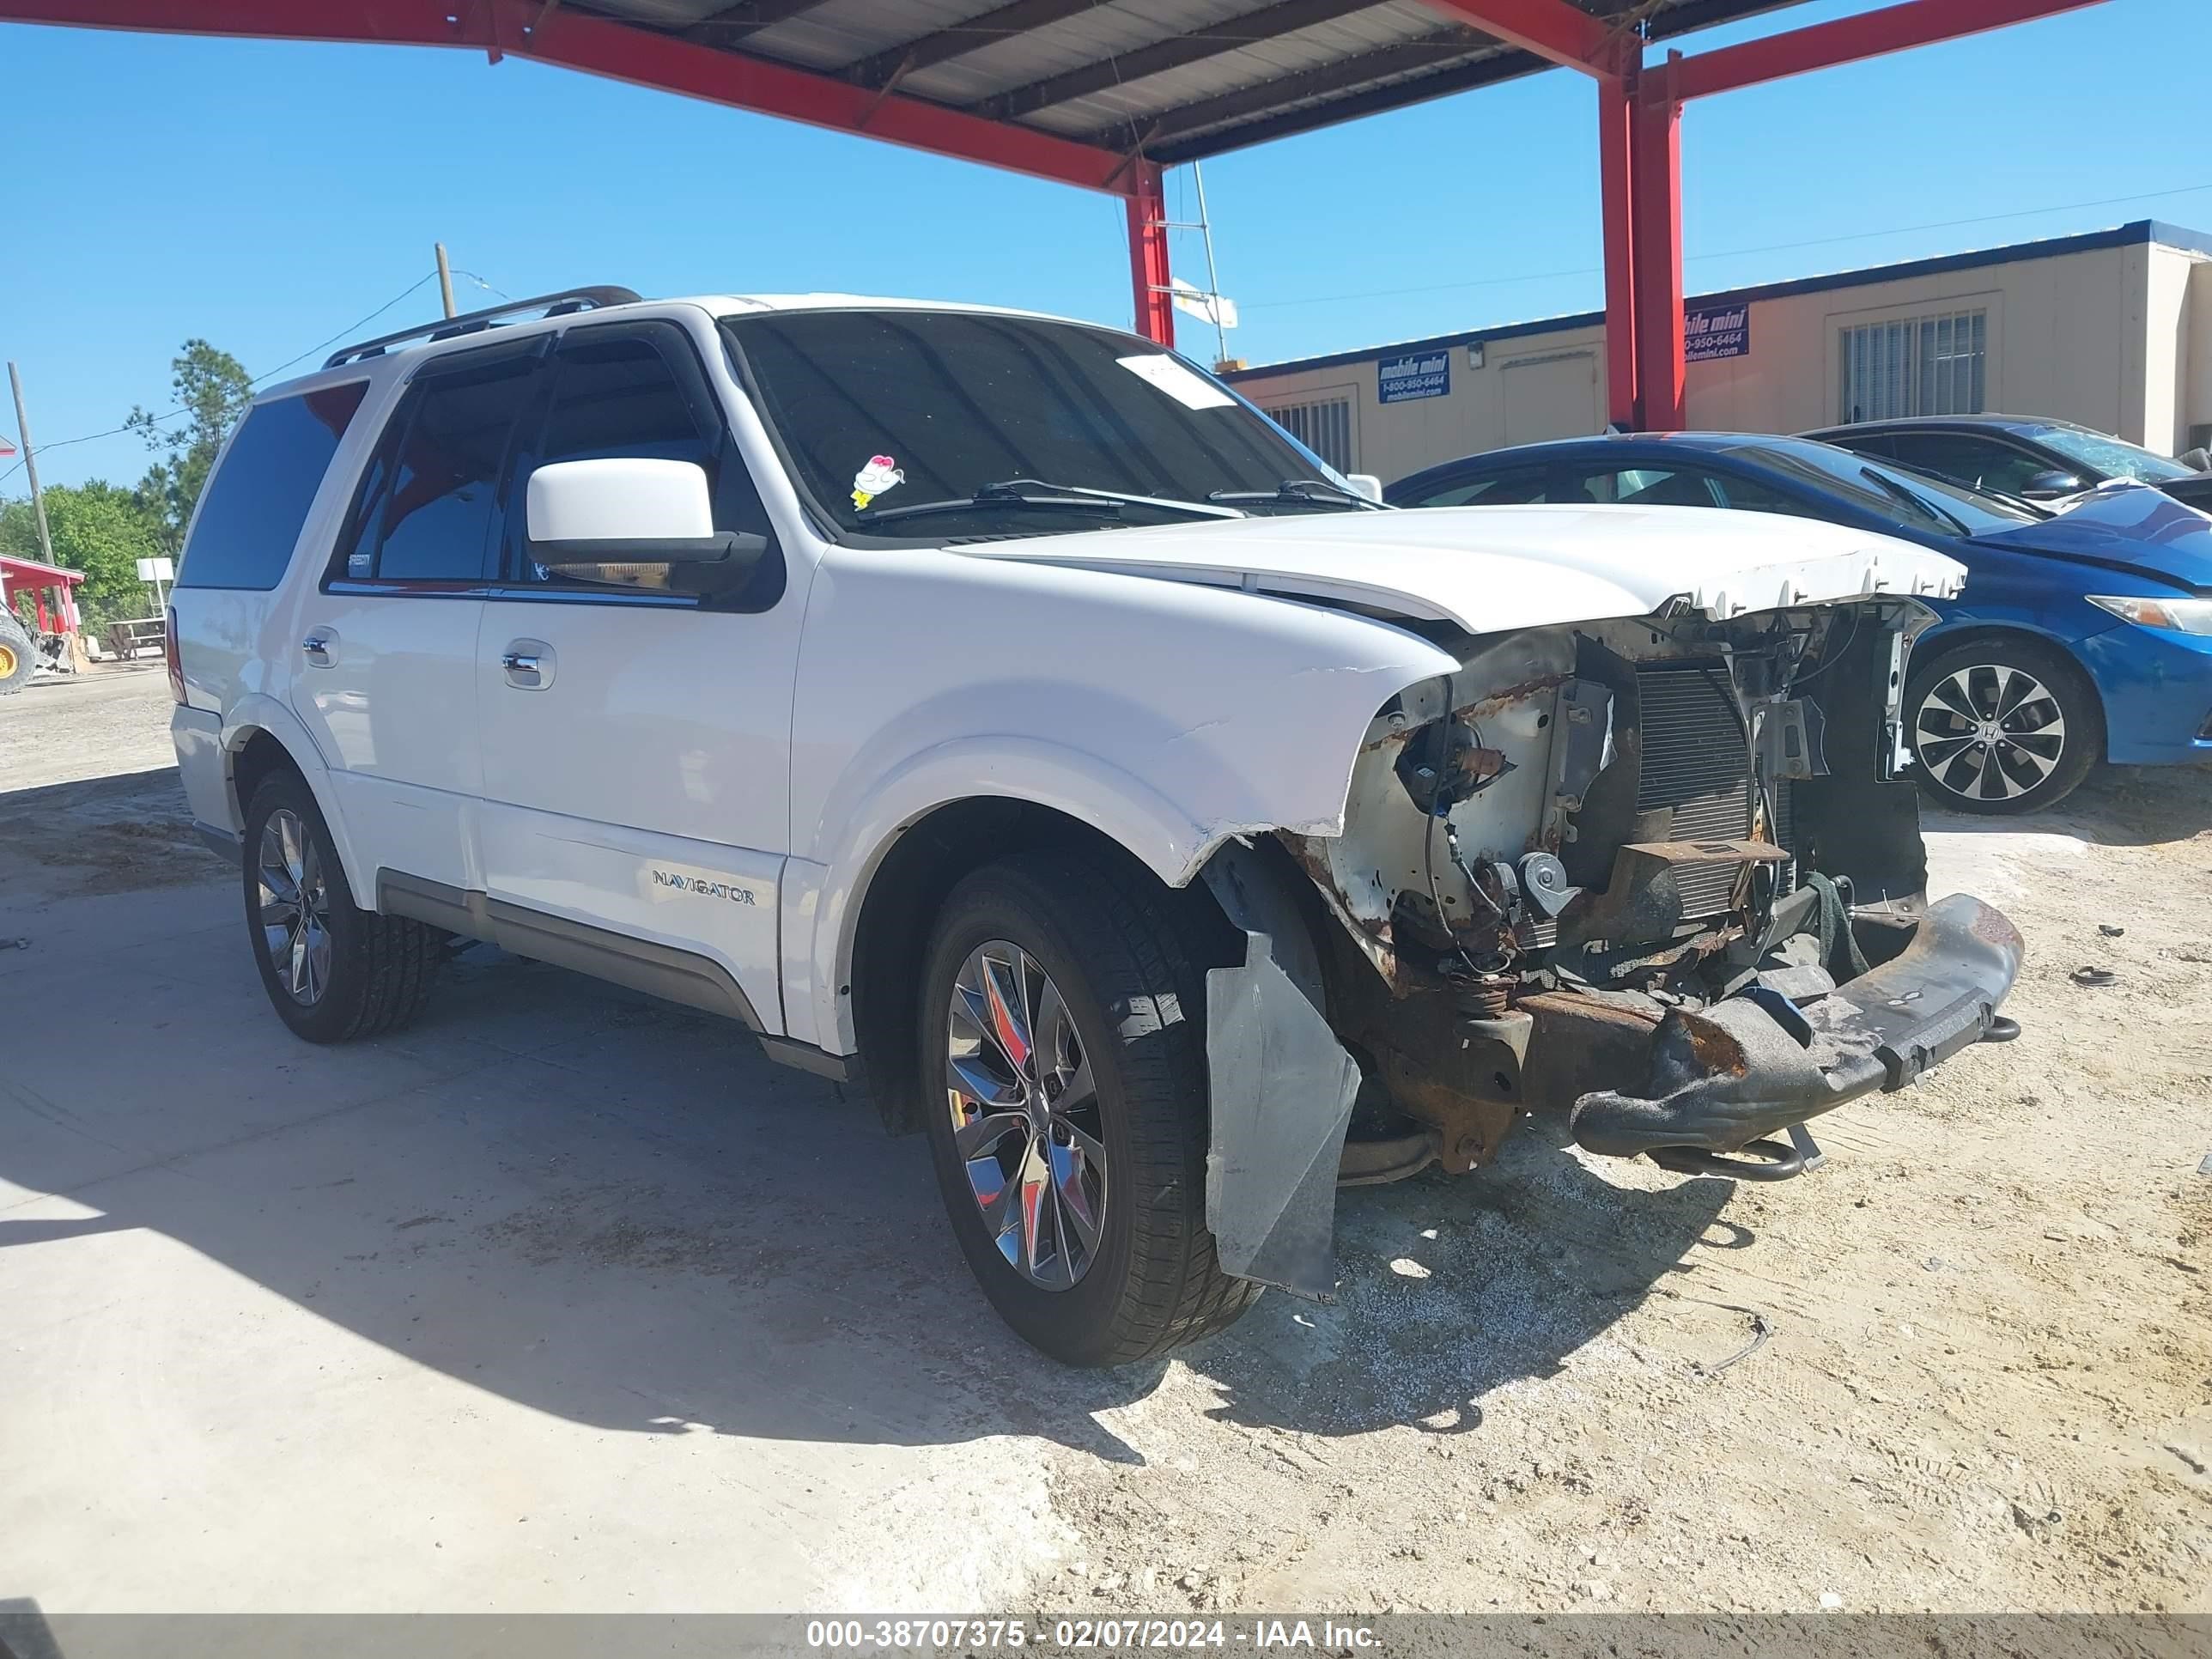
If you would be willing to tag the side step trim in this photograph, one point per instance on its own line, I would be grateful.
(661, 970)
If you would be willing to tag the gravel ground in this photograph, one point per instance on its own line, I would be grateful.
(1988, 1383)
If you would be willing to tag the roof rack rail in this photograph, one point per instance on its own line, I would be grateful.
(469, 322)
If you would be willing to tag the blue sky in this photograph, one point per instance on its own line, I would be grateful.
(265, 195)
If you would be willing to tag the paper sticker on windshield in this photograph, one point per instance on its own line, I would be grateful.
(880, 475)
(1191, 391)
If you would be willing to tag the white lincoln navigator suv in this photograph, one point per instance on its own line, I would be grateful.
(1004, 710)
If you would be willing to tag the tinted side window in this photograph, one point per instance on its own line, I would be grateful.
(621, 398)
(438, 486)
(1970, 460)
(1513, 489)
(257, 502)
(1756, 495)
(1881, 446)
(632, 391)
(1647, 486)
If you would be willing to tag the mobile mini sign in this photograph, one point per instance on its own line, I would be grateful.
(1423, 375)
(1716, 331)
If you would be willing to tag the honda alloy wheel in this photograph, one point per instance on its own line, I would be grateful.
(2003, 726)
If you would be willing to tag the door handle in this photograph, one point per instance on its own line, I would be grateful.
(528, 664)
(316, 648)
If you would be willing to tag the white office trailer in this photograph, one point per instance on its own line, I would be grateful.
(2111, 328)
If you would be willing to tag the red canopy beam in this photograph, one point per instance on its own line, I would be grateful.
(1849, 39)
(597, 45)
(1661, 373)
(1552, 29)
(1616, 150)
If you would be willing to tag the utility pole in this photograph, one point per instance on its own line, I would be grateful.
(445, 283)
(31, 464)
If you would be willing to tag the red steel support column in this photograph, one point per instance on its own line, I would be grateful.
(1148, 256)
(1616, 140)
(1658, 193)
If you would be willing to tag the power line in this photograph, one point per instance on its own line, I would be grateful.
(347, 332)
(1730, 253)
(350, 329)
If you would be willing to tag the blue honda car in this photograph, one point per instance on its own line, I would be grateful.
(2082, 635)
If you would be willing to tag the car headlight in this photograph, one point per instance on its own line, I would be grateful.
(2186, 615)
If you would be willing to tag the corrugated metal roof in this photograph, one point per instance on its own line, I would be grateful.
(1175, 80)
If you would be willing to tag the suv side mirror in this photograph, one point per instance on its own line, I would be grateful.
(1366, 484)
(625, 520)
(2049, 486)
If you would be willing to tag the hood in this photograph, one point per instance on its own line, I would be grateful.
(1488, 569)
(2133, 528)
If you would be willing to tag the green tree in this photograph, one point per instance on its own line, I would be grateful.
(212, 390)
(98, 529)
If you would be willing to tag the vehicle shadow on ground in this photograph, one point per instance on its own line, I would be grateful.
(615, 1210)
(2115, 806)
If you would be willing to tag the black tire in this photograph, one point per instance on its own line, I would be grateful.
(2007, 757)
(19, 656)
(1129, 986)
(378, 968)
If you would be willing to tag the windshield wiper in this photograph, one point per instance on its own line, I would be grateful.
(1897, 491)
(1299, 492)
(1035, 493)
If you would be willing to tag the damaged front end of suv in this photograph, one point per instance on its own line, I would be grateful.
(1663, 876)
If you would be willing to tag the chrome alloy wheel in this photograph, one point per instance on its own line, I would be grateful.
(295, 907)
(1989, 731)
(1025, 1121)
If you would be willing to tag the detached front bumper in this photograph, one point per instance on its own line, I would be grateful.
(1723, 1076)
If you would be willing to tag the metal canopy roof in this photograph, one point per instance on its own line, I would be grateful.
(1176, 80)
(1106, 93)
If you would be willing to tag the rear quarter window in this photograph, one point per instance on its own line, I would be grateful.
(257, 501)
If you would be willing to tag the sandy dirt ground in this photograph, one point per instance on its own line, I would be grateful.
(1986, 1382)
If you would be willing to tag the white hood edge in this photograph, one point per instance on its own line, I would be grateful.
(1491, 569)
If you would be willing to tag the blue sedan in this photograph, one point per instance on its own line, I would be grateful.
(2082, 635)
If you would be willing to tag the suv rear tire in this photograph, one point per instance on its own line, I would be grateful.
(1057, 1045)
(333, 971)
(2003, 713)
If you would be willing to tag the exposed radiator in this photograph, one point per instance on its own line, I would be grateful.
(1695, 761)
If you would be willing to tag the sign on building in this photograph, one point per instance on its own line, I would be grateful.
(1715, 332)
(1423, 374)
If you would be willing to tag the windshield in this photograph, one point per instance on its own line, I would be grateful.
(881, 412)
(1913, 499)
(2114, 457)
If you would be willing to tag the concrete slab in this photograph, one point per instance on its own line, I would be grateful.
(399, 1322)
